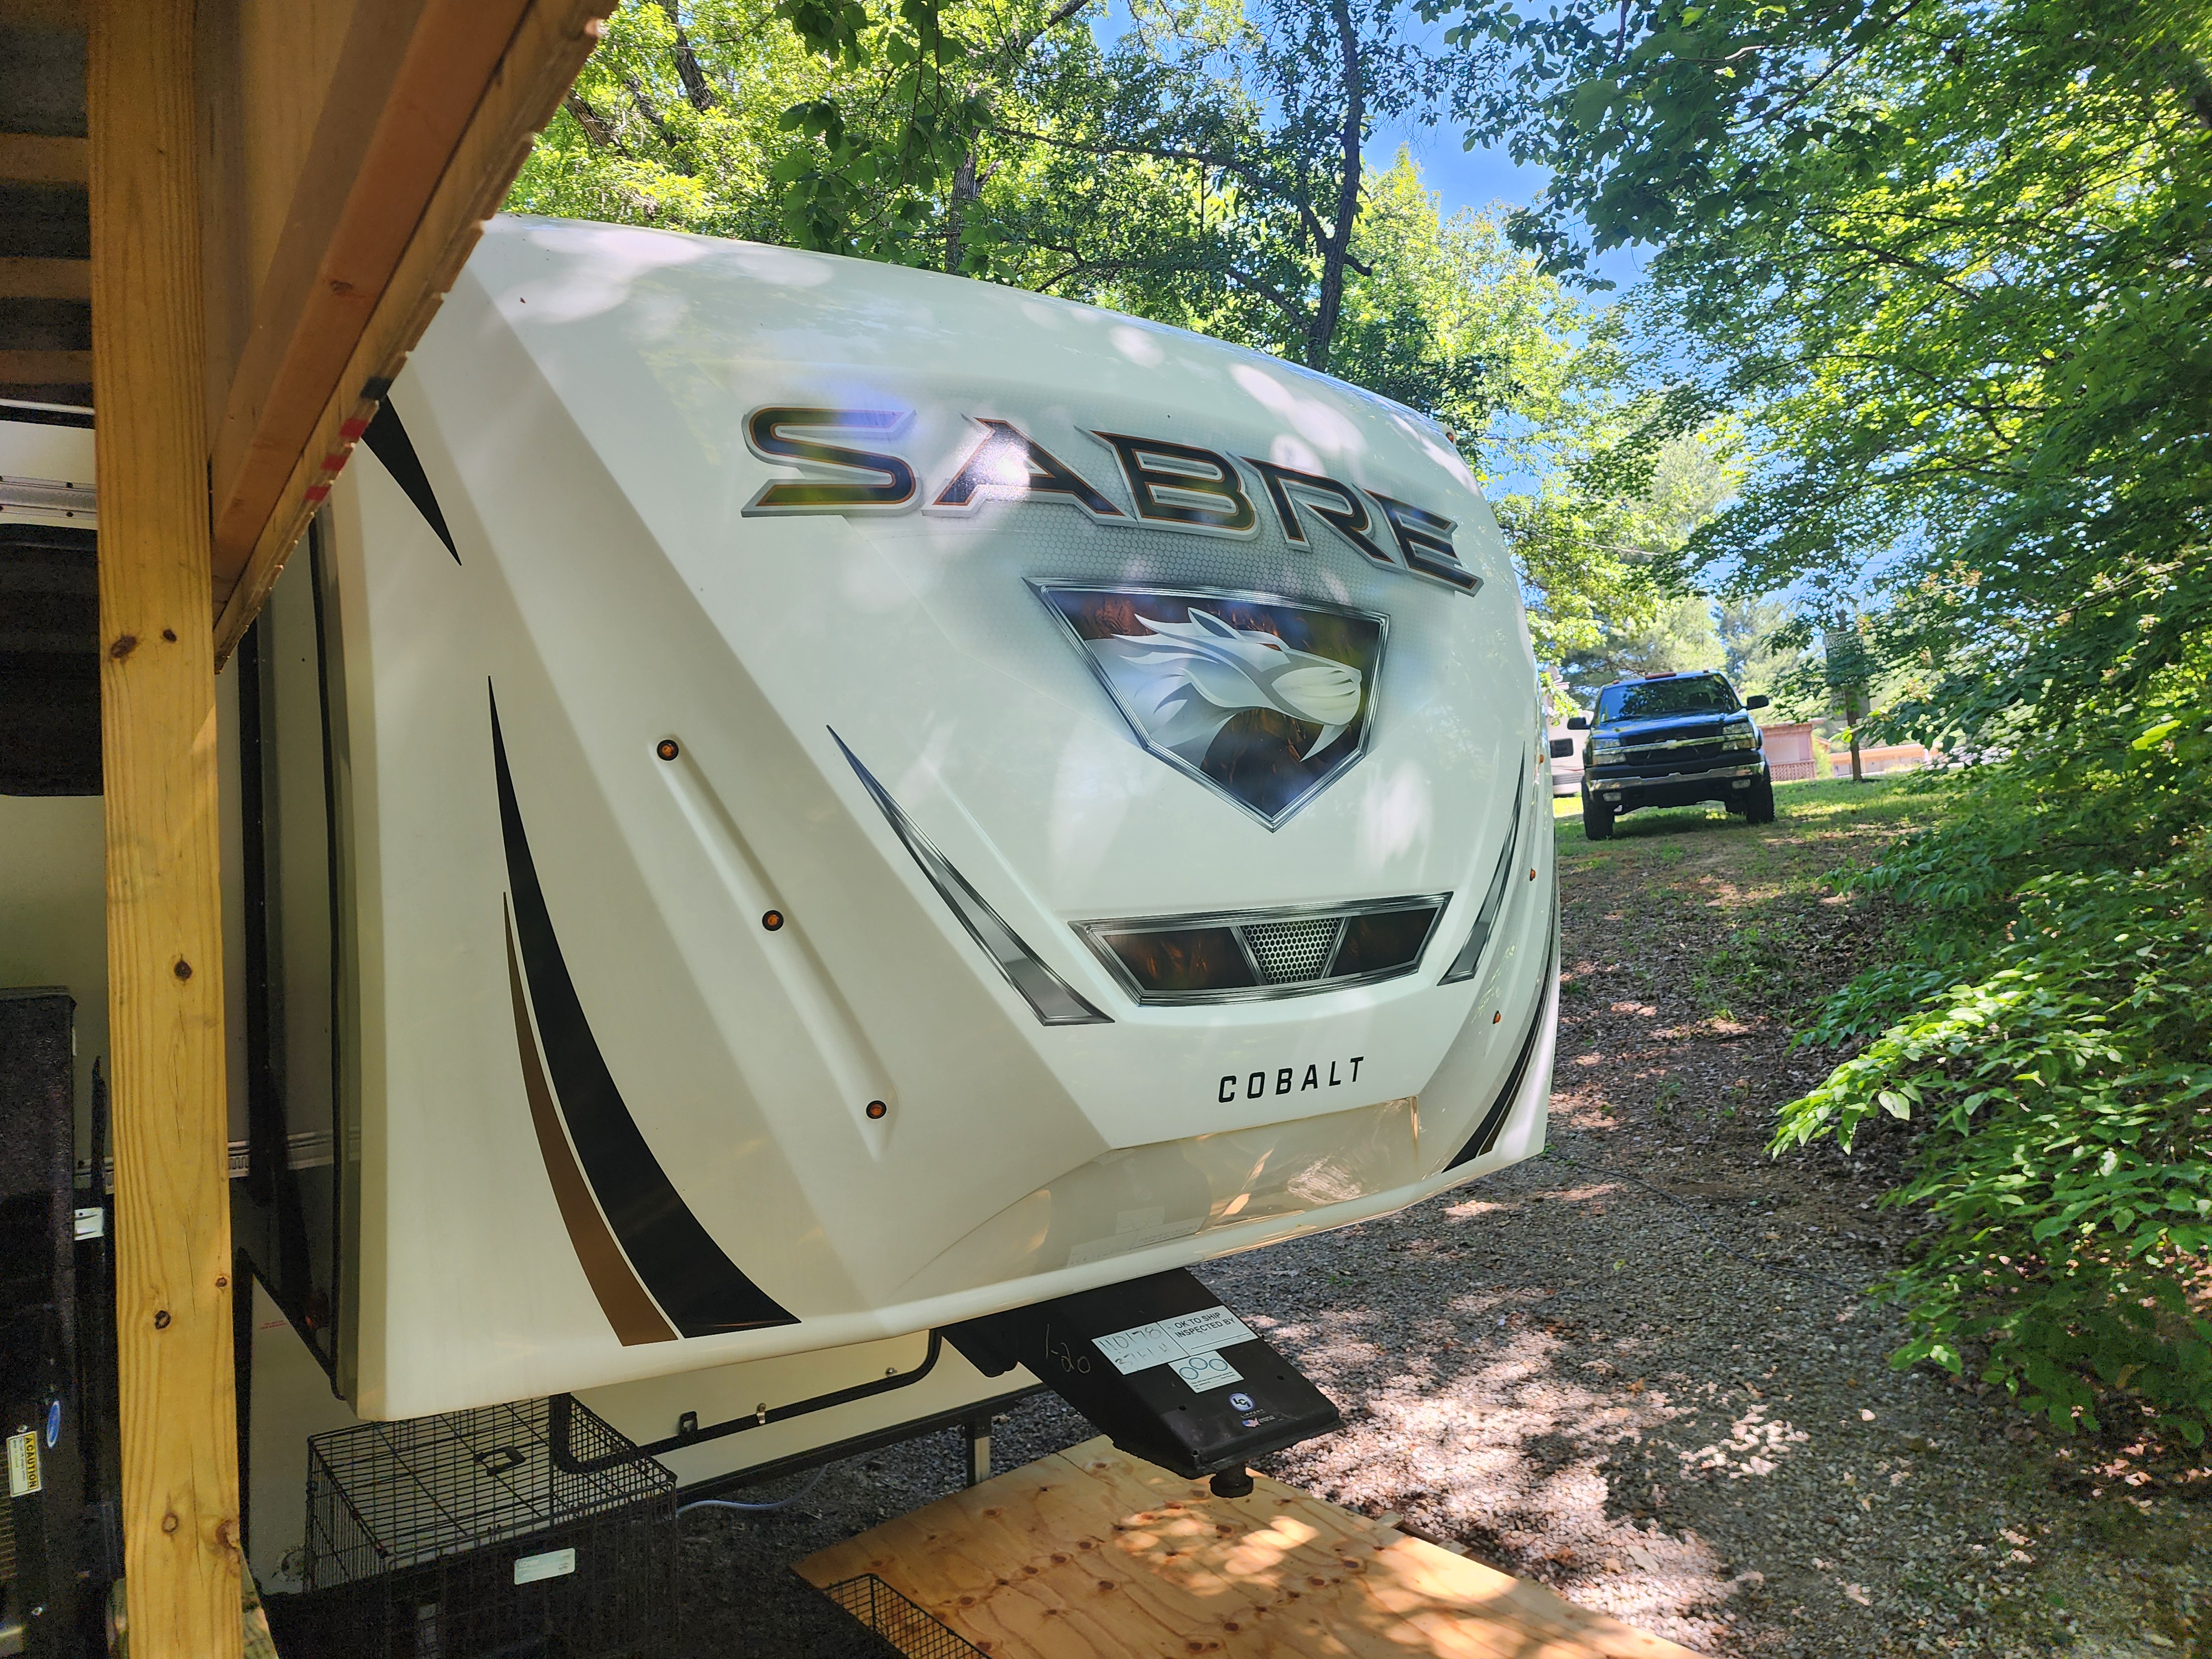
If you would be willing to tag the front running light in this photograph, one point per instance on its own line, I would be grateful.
(1747, 739)
(1605, 748)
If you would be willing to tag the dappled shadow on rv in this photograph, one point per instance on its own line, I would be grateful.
(1639, 1368)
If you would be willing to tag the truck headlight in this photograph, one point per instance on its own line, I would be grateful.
(1747, 739)
(1605, 749)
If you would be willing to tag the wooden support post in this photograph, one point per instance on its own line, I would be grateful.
(180, 1512)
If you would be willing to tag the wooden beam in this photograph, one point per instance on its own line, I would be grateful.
(173, 1263)
(46, 279)
(67, 15)
(267, 72)
(27, 159)
(342, 232)
(426, 129)
(45, 367)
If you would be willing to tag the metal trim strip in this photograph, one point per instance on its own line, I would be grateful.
(1486, 1133)
(1050, 998)
(1469, 959)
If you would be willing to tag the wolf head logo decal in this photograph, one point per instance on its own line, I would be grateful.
(1189, 679)
(1266, 701)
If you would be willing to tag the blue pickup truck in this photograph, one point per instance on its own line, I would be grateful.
(1671, 740)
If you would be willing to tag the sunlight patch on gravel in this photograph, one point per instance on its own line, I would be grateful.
(1505, 1456)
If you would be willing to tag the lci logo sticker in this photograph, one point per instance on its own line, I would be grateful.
(1264, 700)
(1240, 1402)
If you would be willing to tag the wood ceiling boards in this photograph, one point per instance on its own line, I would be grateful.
(45, 225)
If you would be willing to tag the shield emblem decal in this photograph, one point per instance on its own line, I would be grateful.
(1266, 701)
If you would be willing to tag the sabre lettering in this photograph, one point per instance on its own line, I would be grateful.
(767, 432)
(1337, 505)
(1176, 484)
(1007, 465)
(1171, 486)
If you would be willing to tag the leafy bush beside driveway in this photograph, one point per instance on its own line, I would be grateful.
(2048, 1028)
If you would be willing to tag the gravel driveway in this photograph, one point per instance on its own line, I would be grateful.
(1641, 1367)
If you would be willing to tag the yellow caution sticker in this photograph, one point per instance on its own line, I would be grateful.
(23, 1476)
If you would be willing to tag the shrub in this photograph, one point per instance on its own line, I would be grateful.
(2050, 1037)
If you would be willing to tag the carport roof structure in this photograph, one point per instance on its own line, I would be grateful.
(223, 223)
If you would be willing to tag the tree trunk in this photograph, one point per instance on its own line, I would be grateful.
(1336, 246)
(687, 63)
(1851, 714)
(644, 105)
(964, 191)
(593, 123)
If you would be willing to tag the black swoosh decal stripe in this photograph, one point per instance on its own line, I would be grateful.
(700, 1289)
(1493, 1121)
(388, 442)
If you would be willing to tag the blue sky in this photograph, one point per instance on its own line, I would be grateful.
(1462, 177)
(1479, 178)
(1466, 178)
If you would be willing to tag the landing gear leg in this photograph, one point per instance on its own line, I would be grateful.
(979, 1451)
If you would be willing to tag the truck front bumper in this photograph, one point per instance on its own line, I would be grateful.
(1625, 790)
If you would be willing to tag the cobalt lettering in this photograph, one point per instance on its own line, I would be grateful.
(1287, 1080)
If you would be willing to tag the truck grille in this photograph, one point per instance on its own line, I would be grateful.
(1645, 754)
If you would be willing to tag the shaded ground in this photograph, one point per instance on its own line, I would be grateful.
(1639, 1368)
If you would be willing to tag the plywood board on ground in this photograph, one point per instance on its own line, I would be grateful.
(1090, 1554)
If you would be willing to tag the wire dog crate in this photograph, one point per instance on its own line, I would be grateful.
(910, 1630)
(490, 1532)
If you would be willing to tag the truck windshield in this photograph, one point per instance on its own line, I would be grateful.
(1654, 699)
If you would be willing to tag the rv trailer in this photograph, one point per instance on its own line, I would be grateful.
(792, 813)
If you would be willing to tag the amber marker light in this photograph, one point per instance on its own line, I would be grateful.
(877, 1108)
(666, 749)
(772, 919)
(1184, 959)
(1495, 1018)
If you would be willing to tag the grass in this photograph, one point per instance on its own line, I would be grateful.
(1747, 917)
(1891, 798)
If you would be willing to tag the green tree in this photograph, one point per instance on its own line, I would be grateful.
(1947, 259)
(828, 125)
(634, 144)
(1600, 533)
(1765, 640)
(1679, 636)
(1212, 167)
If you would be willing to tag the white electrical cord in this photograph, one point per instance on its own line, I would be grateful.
(753, 1509)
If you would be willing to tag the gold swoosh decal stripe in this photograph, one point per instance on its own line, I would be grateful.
(622, 1297)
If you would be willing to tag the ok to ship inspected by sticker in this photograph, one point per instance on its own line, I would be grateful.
(1189, 1343)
